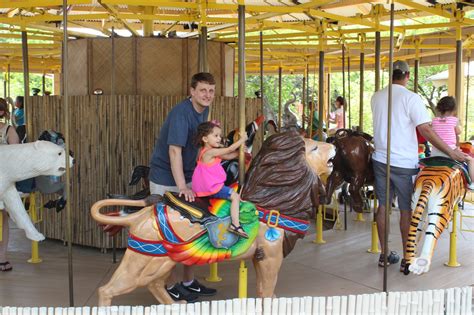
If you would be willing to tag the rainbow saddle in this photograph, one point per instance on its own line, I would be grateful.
(439, 161)
(214, 216)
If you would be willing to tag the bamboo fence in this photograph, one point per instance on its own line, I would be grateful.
(109, 137)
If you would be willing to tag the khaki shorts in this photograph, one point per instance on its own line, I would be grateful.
(156, 189)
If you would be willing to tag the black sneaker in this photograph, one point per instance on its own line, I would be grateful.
(196, 288)
(178, 292)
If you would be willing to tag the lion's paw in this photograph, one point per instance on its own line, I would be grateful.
(420, 265)
(34, 236)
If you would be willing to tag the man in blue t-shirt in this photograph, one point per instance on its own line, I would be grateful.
(173, 162)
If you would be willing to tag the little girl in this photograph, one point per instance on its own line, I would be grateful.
(446, 126)
(209, 175)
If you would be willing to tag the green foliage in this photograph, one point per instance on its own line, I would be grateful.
(16, 84)
(293, 84)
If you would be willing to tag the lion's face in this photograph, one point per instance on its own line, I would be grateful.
(319, 156)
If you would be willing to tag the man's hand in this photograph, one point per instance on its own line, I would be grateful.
(458, 155)
(187, 193)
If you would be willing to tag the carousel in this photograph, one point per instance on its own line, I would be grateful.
(89, 236)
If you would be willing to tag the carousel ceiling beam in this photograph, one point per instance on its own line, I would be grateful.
(115, 13)
(436, 10)
(27, 20)
(350, 20)
(30, 45)
(345, 3)
(98, 28)
(154, 3)
(35, 37)
(38, 3)
(161, 17)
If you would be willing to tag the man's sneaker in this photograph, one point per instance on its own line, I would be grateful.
(197, 288)
(178, 292)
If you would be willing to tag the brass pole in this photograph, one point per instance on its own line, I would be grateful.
(467, 98)
(415, 79)
(458, 84)
(262, 94)
(307, 91)
(329, 94)
(388, 202)
(349, 88)
(311, 109)
(67, 140)
(361, 95)
(344, 82)
(241, 57)
(321, 95)
(241, 88)
(377, 61)
(26, 82)
(8, 77)
(202, 50)
(279, 99)
(303, 97)
(43, 82)
(112, 81)
(114, 102)
(5, 85)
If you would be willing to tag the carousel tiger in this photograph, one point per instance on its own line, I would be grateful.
(439, 187)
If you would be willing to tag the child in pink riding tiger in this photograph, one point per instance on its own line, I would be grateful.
(446, 126)
(209, 175)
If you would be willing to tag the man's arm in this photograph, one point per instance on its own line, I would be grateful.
(428, 133)
(176, 160)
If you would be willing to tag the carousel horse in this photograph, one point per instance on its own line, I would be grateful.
(439, 186)
(352, 164)
(283, 176)
(141, 172)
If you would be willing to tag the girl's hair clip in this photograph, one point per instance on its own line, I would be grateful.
(216, 122)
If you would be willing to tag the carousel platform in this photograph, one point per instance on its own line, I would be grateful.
(342, 266)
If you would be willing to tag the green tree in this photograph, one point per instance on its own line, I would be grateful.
(16, 84)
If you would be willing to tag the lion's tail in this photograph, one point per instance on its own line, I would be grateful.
(117, 220)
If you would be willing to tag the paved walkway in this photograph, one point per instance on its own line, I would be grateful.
(340, 267)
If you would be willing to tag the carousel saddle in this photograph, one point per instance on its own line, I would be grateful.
(196, 212)
(435, 161)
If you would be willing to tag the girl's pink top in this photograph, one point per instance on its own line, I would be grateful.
(445, 128)
(208, 178)
(338, 116)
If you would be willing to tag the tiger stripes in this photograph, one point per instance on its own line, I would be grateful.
(437, 189)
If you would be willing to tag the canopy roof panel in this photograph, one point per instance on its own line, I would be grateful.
(293, 30)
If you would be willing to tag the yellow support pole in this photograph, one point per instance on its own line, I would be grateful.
(360, 217)
(35, 259)
(319, 226)
(242, 280)
(374, 248)
(453, 261)
(213, 274)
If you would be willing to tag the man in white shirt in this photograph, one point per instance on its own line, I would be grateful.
(408, 113)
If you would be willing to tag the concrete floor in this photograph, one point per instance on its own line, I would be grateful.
(342, 266)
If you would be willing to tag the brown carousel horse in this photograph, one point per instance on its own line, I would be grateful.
(283, 176)
(352, 164)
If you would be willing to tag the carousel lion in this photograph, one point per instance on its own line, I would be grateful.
(282, 187)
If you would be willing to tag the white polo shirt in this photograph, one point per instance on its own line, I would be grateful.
(408, 112)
